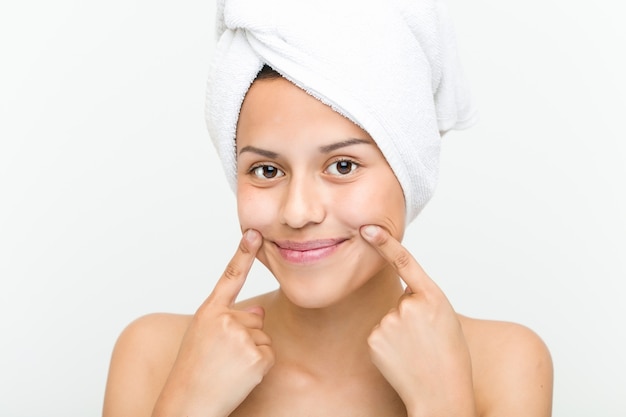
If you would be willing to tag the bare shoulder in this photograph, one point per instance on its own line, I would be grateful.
(512, 368)
(156, 325)
(142, 358)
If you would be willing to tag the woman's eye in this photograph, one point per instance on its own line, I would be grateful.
(341, 167)
(266, 171)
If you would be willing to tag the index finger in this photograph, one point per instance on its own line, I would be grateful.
(409, 270)
(230, 283)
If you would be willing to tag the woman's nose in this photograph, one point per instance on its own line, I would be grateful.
(302, 203)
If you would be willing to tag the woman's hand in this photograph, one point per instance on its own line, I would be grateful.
(419, 347)
(224, 353)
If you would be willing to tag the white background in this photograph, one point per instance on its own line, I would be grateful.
(113, 204)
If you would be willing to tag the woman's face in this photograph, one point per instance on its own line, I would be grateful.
(308, 179)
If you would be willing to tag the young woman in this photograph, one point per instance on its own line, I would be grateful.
(357, 327)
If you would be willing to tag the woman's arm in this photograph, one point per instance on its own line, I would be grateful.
(140, 364)
(516, 369)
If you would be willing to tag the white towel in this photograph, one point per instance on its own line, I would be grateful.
(391, 66)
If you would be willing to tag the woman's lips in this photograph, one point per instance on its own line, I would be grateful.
(307, 252)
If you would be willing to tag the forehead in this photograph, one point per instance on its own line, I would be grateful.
(277, 107)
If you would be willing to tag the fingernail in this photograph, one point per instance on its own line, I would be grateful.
(369, 231)
(250, 236)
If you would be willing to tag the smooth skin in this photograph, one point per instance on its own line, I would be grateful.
(360, 331)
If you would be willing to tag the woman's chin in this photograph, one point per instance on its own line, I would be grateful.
(310, 298)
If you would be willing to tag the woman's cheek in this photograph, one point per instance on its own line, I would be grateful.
(381, 204)
(255, 209)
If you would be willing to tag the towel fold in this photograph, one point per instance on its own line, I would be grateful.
(390, 66)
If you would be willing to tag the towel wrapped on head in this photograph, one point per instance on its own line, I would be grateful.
(390, 66)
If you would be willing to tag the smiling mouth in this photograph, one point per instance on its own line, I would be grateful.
(307, 252)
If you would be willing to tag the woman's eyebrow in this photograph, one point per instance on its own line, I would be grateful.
(338, 145)
(262, 152)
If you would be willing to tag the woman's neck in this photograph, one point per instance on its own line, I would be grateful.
(333, 334)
